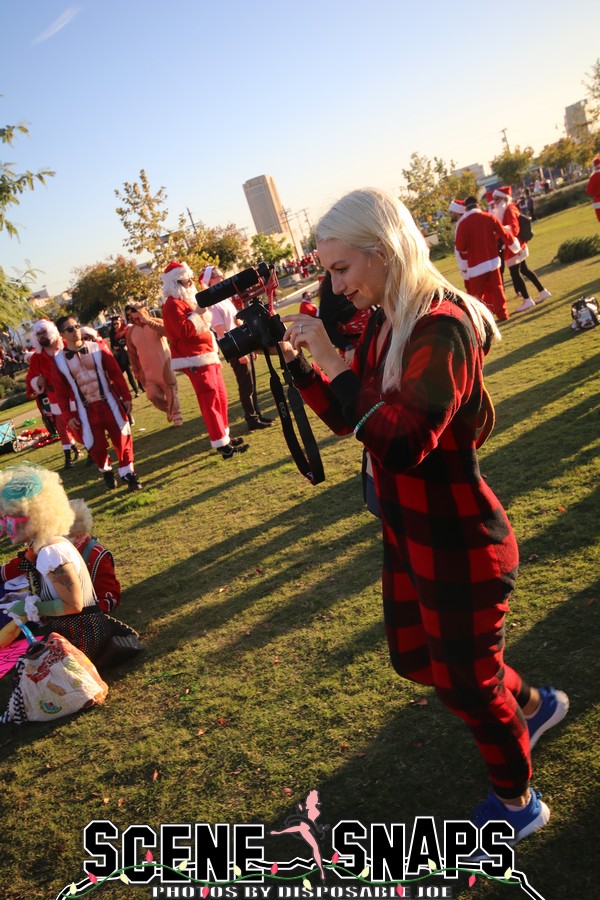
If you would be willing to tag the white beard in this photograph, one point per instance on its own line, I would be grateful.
(188, 295)
(500, 208)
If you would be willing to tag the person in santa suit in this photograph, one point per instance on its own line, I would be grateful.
(507, 214)
(593, 187)
(93, 396)
(194, 351)
(223, 319)
(476, 243)
(456, 210)
(46, 342)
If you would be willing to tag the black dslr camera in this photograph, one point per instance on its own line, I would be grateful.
(259, 329)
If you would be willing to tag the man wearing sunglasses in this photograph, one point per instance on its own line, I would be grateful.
(94, 396)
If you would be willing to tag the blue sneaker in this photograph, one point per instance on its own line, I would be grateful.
(524, 821)
(552, 710)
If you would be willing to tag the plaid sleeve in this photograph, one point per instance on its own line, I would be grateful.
(438, 375)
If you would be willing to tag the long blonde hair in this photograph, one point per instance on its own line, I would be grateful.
(373, 221)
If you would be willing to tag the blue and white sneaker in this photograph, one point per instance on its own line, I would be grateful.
(524, 821)
(552, 710)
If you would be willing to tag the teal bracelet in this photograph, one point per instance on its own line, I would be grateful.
(373, 409)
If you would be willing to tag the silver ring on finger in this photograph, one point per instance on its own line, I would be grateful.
(300, 328)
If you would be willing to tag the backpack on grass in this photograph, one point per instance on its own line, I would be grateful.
(53, 679)
(585, 314)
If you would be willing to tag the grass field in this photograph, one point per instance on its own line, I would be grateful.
(265, 672)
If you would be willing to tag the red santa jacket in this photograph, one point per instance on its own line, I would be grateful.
(476, 240)
(101, 566)
(190, 348)
(509, 217)
(41, 364)
(593, 189)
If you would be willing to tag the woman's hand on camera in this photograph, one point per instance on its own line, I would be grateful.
(309, 332)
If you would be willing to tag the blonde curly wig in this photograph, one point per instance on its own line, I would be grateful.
(84, 521)
(38, 494)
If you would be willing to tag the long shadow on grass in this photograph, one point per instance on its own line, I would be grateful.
(562, 439)
(423, 762)
(527, 351)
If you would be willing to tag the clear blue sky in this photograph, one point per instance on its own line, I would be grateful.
(324, 96)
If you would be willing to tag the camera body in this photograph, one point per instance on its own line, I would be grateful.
(260, 330)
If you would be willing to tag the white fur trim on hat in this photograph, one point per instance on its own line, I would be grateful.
(206, 275)
(457, 206)
(504, 193)
(173, 273)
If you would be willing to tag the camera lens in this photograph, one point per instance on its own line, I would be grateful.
(237, 342)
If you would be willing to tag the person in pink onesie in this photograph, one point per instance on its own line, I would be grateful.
(150, 360)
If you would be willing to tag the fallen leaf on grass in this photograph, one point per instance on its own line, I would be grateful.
(590, 600)
(532, 557)
(421, 702)
(288, 792)
(155, 775)
(106, 800)
(344, 746)
(201, 731)
(258, 570)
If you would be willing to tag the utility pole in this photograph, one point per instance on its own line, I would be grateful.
(191, 220)
(504, 138)
(285, 213)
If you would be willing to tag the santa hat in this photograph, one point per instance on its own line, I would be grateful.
(596, 162)
(44, 326)
(89, 333)
(489, 197)
(174, 272)
(457, 206)
(206, 275)
(503, 193)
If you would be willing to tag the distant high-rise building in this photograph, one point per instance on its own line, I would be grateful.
(577, 122)
(265, 205)
(267, 209)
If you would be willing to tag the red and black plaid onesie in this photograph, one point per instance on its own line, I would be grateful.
(450, 556)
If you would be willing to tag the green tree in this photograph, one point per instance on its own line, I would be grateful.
(13, 298)
(511, 168)
(560, 155)
(430, 186)
(224, 247)
(143, 215)
(268, 248)
(13, 184)
(593, 86)
(109, 285)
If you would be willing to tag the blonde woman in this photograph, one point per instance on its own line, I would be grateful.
(35, 510)
(415, 399)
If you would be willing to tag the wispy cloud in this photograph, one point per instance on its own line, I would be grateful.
(57, 25)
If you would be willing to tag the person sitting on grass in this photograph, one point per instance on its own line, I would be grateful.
(99, 560)
(35, 510)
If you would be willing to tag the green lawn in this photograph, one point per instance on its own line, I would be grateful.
(265, 672)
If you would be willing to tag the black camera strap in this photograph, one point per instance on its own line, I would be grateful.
(308, 460)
